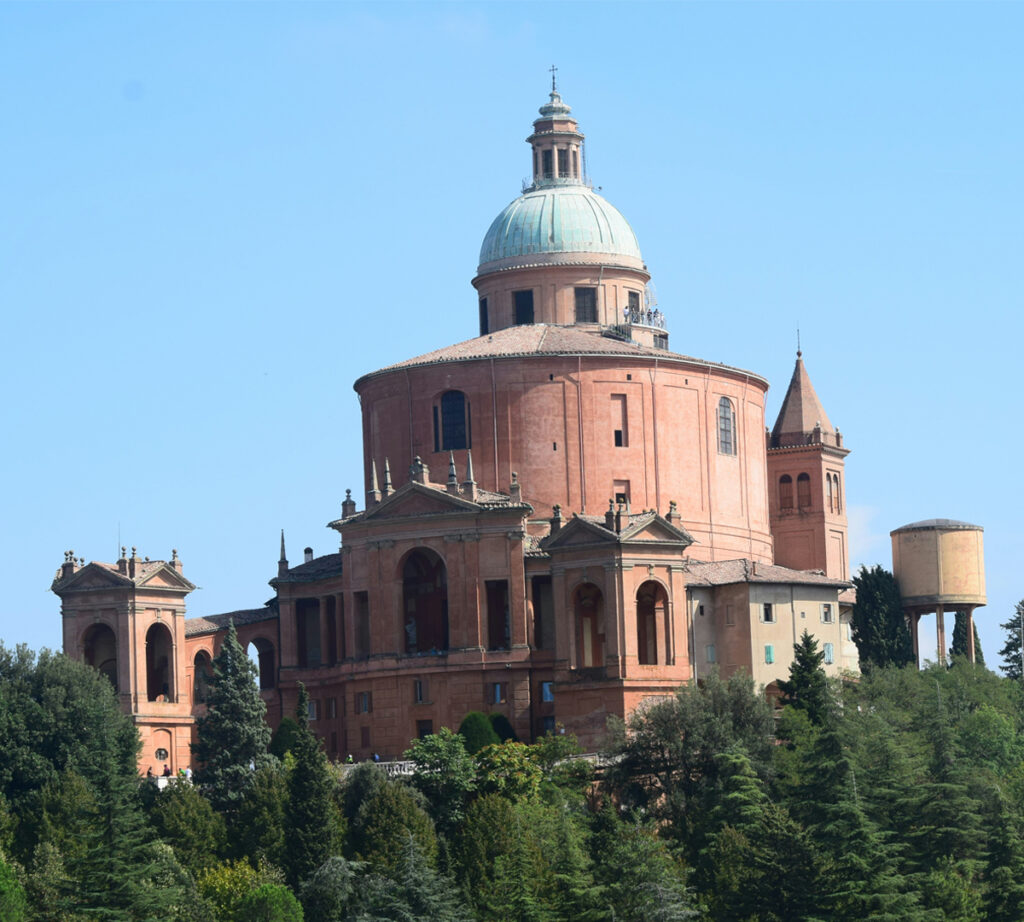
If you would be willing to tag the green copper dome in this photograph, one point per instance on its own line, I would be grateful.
(559, 225)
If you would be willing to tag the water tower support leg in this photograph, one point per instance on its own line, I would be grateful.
(970, 634)
(940, 632)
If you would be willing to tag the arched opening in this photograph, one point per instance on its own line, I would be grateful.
(261, 652)
(588, 607)
(803, 490)
(159, 664)
(651, 623)
(100, 651)
(828, 493)
(202, 677)
(785, 492)
(425, 602)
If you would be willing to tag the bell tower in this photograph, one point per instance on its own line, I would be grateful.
(807, 483)
(127, 619)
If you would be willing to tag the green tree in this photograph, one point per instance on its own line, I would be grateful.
(509, 769)
(326, 894)
(257, 827)
(233, 734)
(413, 891)
(311, 824)
(503, 727)
(879, 628)
(477, 732)
(184, 819)
(225, 886)
(446, 776)
(807, 686)
(283, 738)
(383, 824)
(13, 905)
(958, 646)
(665, 760)
(1011, 652)
(270, 903)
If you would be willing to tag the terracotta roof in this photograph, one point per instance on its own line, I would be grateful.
(316, 569)
(546, 339)
(801, 412)
(212, 623)
(726, 572)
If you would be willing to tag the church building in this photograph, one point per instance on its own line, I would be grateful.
(563, 519)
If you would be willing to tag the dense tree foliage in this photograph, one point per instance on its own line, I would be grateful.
(477, 731)
(879, 627)
(1011, 652)
(895, 796)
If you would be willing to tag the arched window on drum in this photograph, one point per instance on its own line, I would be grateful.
(726, 427)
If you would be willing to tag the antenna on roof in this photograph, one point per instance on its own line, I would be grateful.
(553, 70)
(798, 352)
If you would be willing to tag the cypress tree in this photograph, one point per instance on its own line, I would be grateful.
(1010, 653)
(807, 687)
(310, 824)
(879, 628)
(958, 646)
(233, 734)
(477, 732)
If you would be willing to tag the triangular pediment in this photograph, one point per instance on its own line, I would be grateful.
(93, 576)
(416, 499)
(656, 529)
(579, 532)
(166, 577)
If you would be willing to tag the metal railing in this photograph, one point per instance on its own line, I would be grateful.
(644, 317)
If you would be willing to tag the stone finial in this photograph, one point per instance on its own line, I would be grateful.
(453, 477)
(419, 471)
(556, 519)
(609, 516)
(673, 512)
(68, 567)
(515, 491)
(388, 488)
(373, 494)
(282, 564)
(469, 484)
(175, 560)
(839, 444)
(618, 517)
(348, 506)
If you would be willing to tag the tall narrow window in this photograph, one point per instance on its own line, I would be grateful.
(524, 304)
(634, 306)
(769, 613)
(548, 159)
(543, 613)
(454, 421)
(785, 492)
(563, 162)
(726, 427)
(536, 163)
(839, 505)
(498, 624)
(828, 493)
(362, 623)
(769, 653)
(485, 326)
(803, 490)
(575, 163)
(586, 305)
(709, 653)
(830, 655)
(620, 434)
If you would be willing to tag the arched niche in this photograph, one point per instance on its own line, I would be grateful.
(100, 651)
(261, 652)
(651, 623)
(588, 611)
(424, 602)
(202, 677)
(159, 663)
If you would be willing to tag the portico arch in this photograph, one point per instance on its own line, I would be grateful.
(588, 616)
(424, 602)
(651, 623)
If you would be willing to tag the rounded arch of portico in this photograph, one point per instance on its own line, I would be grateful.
(653, 604)
(423, 574)
(98, 644)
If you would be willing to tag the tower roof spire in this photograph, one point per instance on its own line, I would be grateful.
(801, 414)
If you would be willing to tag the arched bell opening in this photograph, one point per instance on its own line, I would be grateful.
(651, 623)
(588, 609)
(425, 602)
(159, 664)
(100, 651)
(202, 677)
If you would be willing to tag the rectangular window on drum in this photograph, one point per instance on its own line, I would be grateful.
(549, 166)
(620, 421)
(586, 305)
(485, 326)
(563, 162)
(523, 301)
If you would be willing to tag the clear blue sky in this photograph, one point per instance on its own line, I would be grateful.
(216, 216)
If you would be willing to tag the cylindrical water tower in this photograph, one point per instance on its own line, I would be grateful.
(940, 566)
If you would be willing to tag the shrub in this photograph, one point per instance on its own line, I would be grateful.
(477, 732)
